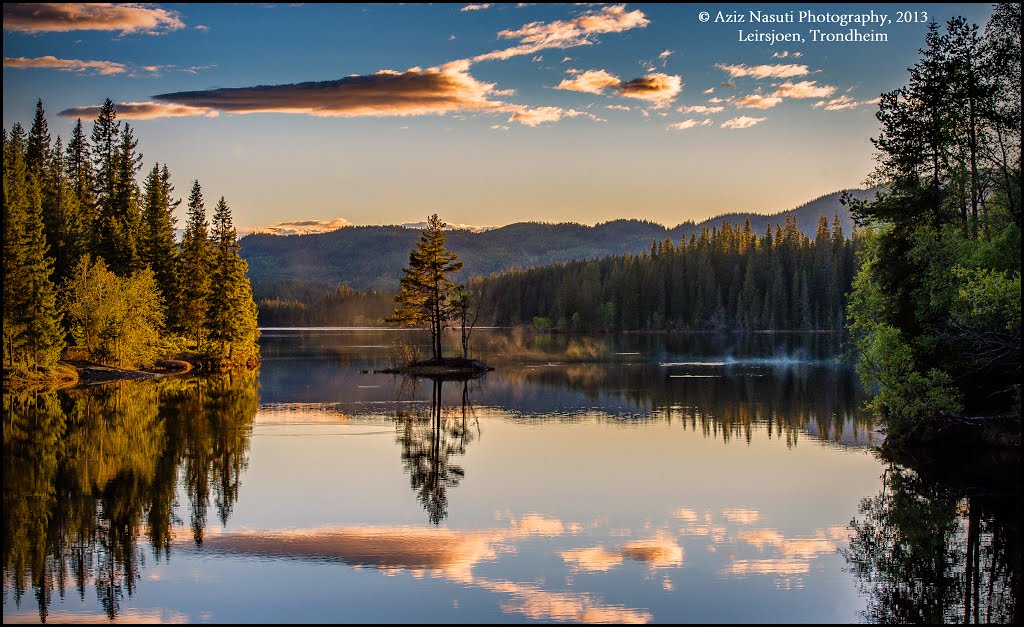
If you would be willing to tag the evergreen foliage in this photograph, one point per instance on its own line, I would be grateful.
(425, 297)
(76, 218)
(936, 304)
(194, 270)
(231, 315)
(727, 278)
(31, 322)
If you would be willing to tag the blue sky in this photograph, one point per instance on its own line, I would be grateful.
(489, 116)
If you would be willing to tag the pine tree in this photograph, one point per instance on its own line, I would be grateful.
(119, 214)
(37, 153)
(82, 179)
(32, 335)
(65, 232)
(194, 268)
(425, 295)
(157, 248)
(231, 314)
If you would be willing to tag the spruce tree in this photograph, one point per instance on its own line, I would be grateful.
(82, 179)
(65, 232)
(32, 335)
(119, 214)
(231, 316)
(194, 268)
(37, 153)
(426, 289)
(157, 248)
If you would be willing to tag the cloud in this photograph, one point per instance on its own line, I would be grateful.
(499, 127)
(476, 7)
(765, 71)
(591, 82)
(659, 552)
(537, 36)
(297, 227)
(742, 122)
(104, 68)
(69, 16)
(741, 516)
(416, 91)
(844, 102)
(727, 85)
(784, 54)
(682, 126)
(803, 89)
(142, 111)
(709, 90)
(540, 115)
(665, 54)
(618, 107)
(757, 101)
(656, 87)
(699, 109)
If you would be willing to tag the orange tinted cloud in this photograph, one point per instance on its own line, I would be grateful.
(699, 109)
(765, 71)
(844, 102)
(655, 87)
(71, 16)
(591, 82)
(298, 227)
(757, 101)
(65, 65)
(682, 126)
(141, 111)
(435, 90)
(537, 36)
(803, 89)
(741, 122)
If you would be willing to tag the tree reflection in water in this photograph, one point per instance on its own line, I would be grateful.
(89, 471)
(429, 443)
(935, 547)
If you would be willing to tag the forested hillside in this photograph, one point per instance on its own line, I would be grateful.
(371, 257)
(727, 278)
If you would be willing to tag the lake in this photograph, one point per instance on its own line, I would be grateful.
(627, 479)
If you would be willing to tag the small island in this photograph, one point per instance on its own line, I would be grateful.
(428, 298)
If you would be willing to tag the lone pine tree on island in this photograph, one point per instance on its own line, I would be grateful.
(429, 298)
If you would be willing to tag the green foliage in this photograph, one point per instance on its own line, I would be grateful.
(77, 217)
(231, 315)
(157, 248)
(193, 270)
(935, 307)
(31, 321)
(728, 278)
(426, 292)
(116, 320)
(542, 323)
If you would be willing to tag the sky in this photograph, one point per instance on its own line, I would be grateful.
(313, 116)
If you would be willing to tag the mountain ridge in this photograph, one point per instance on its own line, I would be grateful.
(372, 257)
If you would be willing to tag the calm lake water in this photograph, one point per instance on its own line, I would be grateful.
(587, 479)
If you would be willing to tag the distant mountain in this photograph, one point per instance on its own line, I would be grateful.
(373, 256)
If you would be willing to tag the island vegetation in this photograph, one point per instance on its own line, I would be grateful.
(92, 269)
(429, 298)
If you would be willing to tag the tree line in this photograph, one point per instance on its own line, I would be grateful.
(935, 308)
(92, 268)
(726, 278)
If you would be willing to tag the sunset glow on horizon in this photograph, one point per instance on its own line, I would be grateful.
(485, 114)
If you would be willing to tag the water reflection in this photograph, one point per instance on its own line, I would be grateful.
(429, 444)
(90, 472)
(653, 485)
(940, 544)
